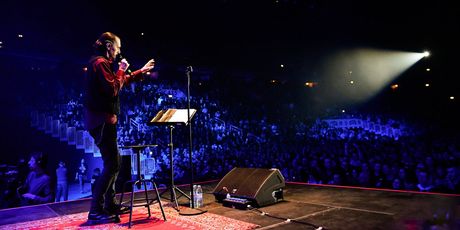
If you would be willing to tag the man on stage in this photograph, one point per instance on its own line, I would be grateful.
(102, 106)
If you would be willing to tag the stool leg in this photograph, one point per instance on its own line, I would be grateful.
(147, 203)
(158, 199)
(132, 203)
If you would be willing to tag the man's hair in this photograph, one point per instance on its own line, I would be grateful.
(40, 158)
(100, 46)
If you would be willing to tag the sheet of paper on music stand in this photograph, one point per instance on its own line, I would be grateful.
(173, 116)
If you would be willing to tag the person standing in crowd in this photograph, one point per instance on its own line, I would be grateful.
(62, 187)
(80, 176)
(37, 186)
(105, 78)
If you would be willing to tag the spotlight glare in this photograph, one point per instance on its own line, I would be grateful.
(282, 66)
(367, 72)
(426, 54)
(311, 84)
(451, 97)
(428, 69)
(427, 85)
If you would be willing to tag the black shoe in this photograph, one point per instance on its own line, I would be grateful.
(102, 218)
(117, 209)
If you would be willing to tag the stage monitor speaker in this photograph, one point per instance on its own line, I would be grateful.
(259, 186)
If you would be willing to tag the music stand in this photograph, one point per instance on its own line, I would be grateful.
(171, 117)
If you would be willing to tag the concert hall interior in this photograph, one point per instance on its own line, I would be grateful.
(338, 114)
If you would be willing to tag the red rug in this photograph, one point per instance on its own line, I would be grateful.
(140, 221)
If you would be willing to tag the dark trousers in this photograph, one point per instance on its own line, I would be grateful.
(62, 190)
(105, 137)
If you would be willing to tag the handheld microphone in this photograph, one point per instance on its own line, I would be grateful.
(119, 58)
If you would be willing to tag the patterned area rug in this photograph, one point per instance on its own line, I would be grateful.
(207, 221)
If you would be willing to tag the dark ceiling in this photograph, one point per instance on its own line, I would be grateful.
(234, 31)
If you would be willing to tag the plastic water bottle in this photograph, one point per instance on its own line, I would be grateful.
(195, 198)
(199, 197)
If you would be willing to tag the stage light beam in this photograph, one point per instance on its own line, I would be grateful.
(373, 69)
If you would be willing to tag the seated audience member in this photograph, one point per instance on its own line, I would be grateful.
(424, 182)
(37, 186)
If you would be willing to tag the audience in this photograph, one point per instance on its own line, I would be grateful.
(394, 154)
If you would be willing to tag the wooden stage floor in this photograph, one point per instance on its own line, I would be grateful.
(304, 207)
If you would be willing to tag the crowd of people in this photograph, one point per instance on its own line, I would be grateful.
(305, 149)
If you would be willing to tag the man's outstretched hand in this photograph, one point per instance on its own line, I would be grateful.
(148, 66)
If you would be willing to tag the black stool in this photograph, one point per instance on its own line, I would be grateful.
(146, 202)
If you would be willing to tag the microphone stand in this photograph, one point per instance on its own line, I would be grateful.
(193, 210)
